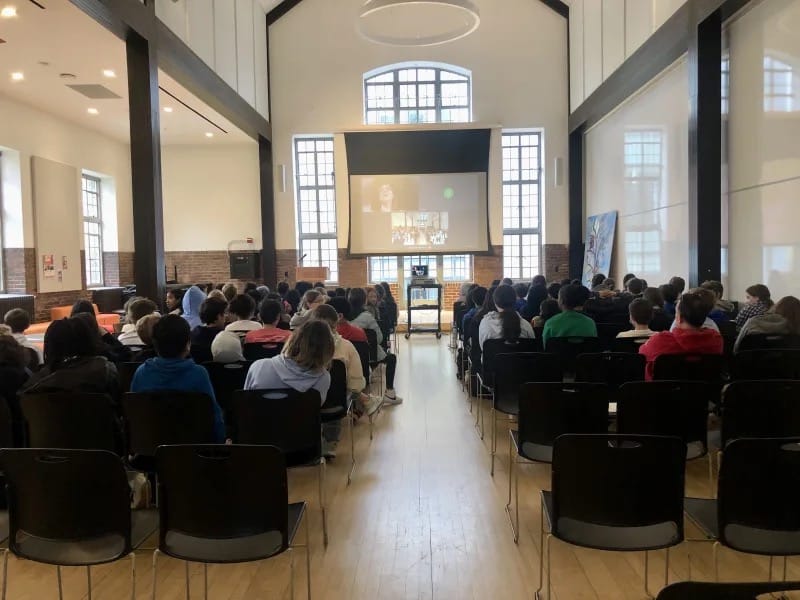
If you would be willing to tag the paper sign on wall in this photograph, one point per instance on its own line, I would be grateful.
(48, 266)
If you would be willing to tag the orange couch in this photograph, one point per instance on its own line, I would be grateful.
(105, 320)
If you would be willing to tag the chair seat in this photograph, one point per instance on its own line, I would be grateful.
(703, 513)
(507, 404)
(233, 550)
(531, 451)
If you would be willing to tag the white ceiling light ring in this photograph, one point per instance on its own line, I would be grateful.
(449, 20)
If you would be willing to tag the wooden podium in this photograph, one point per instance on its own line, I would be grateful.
(311, 274)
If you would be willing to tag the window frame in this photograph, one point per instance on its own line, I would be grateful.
(2, 239)
(98, 220)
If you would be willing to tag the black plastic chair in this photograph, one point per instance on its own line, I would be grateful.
(630, 345)
(226, 504)
(257, 351)
(372, 344)
(727, 329)
(546, 411)
(756, 507)
(289, 420)
(763, 341)
(569, 348)
(615, 492)
(702, 590)
(607, 333)
(690, 367)
(71, 508)
(511, 370)
(612, 368)
(760, 409)
(71, 420)
(338, 406)
(771, 363)
(226, 378)
(363, 353)
(125, 373)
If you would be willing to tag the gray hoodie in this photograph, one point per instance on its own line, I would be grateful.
(281, 373)
(768, 324)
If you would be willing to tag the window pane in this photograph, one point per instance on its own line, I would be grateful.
(383, 268)
(456, 267)
(521, 204)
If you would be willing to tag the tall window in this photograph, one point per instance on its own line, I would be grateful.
(316, 203)
(92, 230)
(418, 93)
(522, 204)
(778, 85)
(644, 165)
(2, 245)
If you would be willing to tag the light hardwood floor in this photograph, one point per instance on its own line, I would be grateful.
(422, 519)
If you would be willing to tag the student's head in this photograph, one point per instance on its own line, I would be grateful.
(521, 290)
(250, 286)
(212, 312)
(311, 345)
(293, 298)
(669, 293)
(372, 296)
(572, 296)
(553, 290)
(641, 312)
(536, 294)
(141, 308)
(477, 296)
(495, 283)
(302, 287)
(327, 314)
(758, 293)
(217, 295)
(709, 298)
(566, 281)
(387, 291)
(17, 319)
(679, 283)
(714, 286)
(340, 292)
(82, 306)
(381, 292)
(226, 348)
(488, 302)
(610, 284)
(507, 281)
(598, 279)
(230, 291)
(69, 338)
(548, 309)
(171, 337)
(653, 296)
(270, 312)
(789, 308)
(312, 299)
(242, 307)
(319, 284)
(341, 306)
(11, 353)
(626, 278)
(504, 299)
(358, 299)
(174, 299)
(144, 328)
(539, 280)
(283, 287)
(634, 286)
(692, 310)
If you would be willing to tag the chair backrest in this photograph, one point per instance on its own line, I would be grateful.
(7, 425)
(125, 373)
(670, 408)
(31, 358)
(226, 378)
(548, 410)
(568, 348)
(71, 420)
(704, 590)
(611, 368)
(513, 369)
(760, 409)
(363, 353)
(337, 399)
(758, 486)
(166, 417)
(492, 348)
(690, 367)
(284, 418)
(66, 496)
(727, 329)
(607, 333)
(618, 492)
(372, 343)
(631, 345)
(223, 492)
(762, 341)
(770, 363)
(259, 350)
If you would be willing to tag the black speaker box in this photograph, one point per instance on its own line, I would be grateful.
(245, 265)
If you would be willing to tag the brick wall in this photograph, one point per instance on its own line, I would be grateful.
(556, 261)
(488, 267)
(208, 266)
(126, 273)
(19, 269)
(45, 301)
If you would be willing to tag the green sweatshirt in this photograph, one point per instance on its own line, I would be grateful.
(569, 324)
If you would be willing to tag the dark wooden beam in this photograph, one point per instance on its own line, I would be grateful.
(558, 6)
(280, 10)
(148, 218)
(121, 16)
(576, 210)
(269, 266)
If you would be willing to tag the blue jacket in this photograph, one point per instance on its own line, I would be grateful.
(179, 375)
(192, 300)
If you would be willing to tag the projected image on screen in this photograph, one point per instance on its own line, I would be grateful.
(441, 212)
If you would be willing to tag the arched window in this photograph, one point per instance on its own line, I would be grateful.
(417, 93)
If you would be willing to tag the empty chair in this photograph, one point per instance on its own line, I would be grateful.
(511, 371)
(611, 368)
(258, 350)
(338, 406)
(607, 333)
(71, 508)
(226, 378)
(546, 411)
(289, 420)
(71, 420)
(690, 367)
(770, 363)
(760, 409)
(697, 590)
(568, 348)
(756, 506)
(615, 492)
(125, 372)
(631, 345)
(763, 341)
(225, 504)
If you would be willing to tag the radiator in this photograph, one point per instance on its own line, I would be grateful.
(9, 301)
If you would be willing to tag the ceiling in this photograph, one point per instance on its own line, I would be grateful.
(44, 44)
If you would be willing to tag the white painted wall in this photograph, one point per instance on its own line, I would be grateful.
(763, 154)
(518, 59)
(211, 196)
(230, 36)
(29, 132)
(603, 33)
(661, 215)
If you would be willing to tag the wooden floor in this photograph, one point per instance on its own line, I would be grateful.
(422, 519)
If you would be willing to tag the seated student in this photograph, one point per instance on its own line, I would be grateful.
(783, 320)
(689, 335)
(626, 278)
(137, 309)
(311, 300)
(537, 293)
(507, 281)
(283, 288)
(597, 282)
(553, 289)
(227, 348)
(361, 317)
(229, 291)
(13, 375)
(641, 312)
(721, 304)
(522, 291)
(635, 287)
(302, 287)
(388, 306)
(303, 364)
(212, 315)
(344, 328)
(144, 329)
(661, 321)
(670, 296)
(270, 314)
(192, 300)
(571, 322)
(679, 283)
(175, 301)
(109, 345)
(757, 302)
(474, 303)
(707, 298)
(504, 323)
(240, 311)
(172, 370)
(547, 310)
(293, 299)
(19, 320)
(372, 303)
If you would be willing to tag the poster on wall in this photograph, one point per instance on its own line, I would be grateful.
(64, 263)
(48, 266)
(599, 244)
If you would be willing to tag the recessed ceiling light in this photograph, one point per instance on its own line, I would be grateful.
(209, 134)
(92, 111)
(168, 109)
(8, 12)
(17, 76)
(109, 73)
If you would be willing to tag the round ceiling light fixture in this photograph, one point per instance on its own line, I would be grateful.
(417, 22)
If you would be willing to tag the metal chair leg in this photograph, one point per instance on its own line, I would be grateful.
(512, 472)
(89, 581)
(291, 573)
(545, 549)
(715, 554)
(308, 556)
(646, 575)
(666, 570)
(205, 580)
(770, 568)
(322, 501)
(493, 450)
(186, 569)
(155, 560)
(785, 558)
(5, 573)
(711, 493)
(58, 576)
(352, 448)
(133, 575)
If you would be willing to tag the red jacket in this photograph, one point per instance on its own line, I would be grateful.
(680, 341)
(351, 333)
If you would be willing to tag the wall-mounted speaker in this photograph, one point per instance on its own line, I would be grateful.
(558, 171)
(245, 265)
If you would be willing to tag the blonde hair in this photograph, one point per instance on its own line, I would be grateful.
(229, 291)
(309, 297)
(144, 328)
(218, 294)
(311, 345)
(327, 314)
